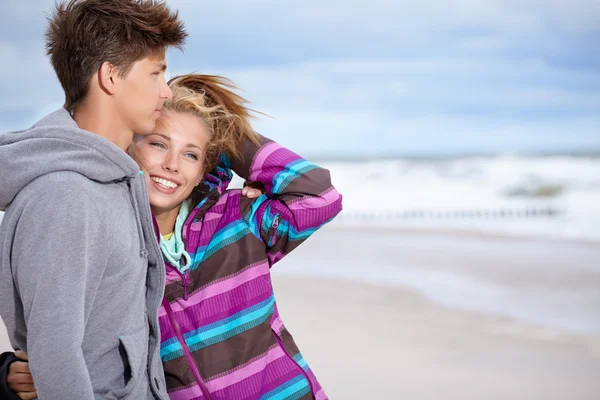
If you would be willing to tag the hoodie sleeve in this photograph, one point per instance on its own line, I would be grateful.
(299, 197)
(56, 258)
(5, 360)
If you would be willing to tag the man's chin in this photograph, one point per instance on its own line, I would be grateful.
(147, 128)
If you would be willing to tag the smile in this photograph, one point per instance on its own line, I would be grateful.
(164, 182)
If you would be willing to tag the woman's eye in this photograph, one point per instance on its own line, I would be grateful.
(158, 144)
(192, 156)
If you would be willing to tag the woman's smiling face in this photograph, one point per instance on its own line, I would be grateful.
(172, 158)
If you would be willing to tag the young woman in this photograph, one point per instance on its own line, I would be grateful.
(221, 334)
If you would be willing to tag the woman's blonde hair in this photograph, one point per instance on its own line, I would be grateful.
(211, 98)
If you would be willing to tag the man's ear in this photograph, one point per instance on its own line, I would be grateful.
(107, 77)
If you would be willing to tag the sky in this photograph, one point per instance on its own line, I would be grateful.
(369, 78)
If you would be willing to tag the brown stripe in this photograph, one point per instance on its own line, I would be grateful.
(178, 373)
(285, 245)
(235, 351)
(248, 150)
(227, 261)
(224, 356)
(313, 183)
(288, 342)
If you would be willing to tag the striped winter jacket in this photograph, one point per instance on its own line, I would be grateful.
(222, 336)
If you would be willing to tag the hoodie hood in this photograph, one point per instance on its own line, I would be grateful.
(56, 143)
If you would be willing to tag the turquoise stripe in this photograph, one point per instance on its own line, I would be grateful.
(171, 356)
(267, 220)
(292, 171)
(233, 332)
(294, 234)
(206, 335)
(170, 348)
(231, 318)
(282, 387)
(300, 361)
(214, 247)
(288, 169)
(168, 342)
(221, 330)
(252, 220)
(229, 234)
(225, 161)
(198, 253)
(292, 389)
(284, 184)
(295, 392)
(228, 231)
(223, 231)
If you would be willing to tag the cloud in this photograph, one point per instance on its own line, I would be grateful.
(377, 76)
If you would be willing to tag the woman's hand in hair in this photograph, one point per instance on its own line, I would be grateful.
(19, 377)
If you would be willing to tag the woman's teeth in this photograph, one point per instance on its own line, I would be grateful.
(164, 183)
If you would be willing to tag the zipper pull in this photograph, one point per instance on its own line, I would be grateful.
(186, 282)
(275, 225)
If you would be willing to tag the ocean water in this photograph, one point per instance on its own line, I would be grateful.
(551, 197)
(555, 197)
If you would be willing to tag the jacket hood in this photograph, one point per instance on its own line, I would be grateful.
(217, 180)
(56, 143)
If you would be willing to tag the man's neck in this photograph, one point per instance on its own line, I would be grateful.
(103, 123)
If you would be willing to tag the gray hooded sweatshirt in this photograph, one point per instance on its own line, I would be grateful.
(81, 274)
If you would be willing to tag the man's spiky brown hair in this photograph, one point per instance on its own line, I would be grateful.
(83, 34)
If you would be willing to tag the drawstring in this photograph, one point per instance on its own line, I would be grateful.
(174, 249)
(138, 222)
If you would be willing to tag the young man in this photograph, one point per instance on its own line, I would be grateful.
(81, 274)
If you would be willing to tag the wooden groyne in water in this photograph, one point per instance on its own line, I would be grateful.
(454, 214)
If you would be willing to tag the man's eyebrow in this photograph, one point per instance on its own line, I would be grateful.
(161, 65)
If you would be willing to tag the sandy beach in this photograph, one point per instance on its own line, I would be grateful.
(384, 314)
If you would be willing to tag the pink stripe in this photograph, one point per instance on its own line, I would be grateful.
(273, 258)
(277, 324)
(220, 287)
(196, 226)
(249, 370)
(260, 158)
(316, 202)
(185, 394)
(315, 217)
(211, 216)
(224, 305)
(321, 395)
(172, 276)
(222, 200)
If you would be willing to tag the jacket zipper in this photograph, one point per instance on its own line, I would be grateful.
(186, 351)
(312, 392)
(185, 279)
(275, 225)
(186, 282)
